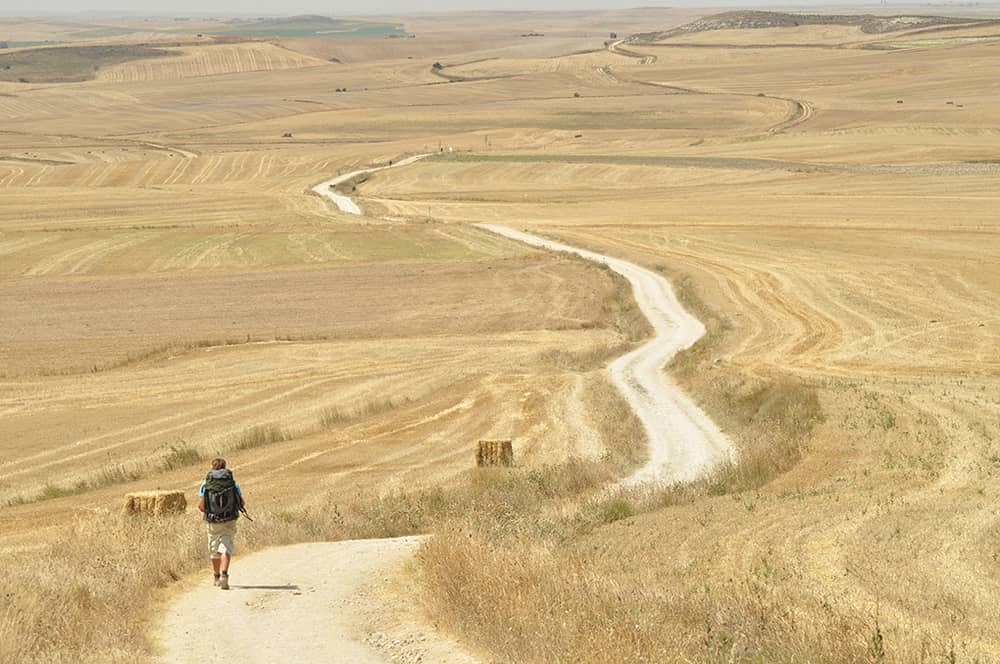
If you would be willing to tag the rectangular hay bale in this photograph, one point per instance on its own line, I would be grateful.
(155, 502)
(495, 453)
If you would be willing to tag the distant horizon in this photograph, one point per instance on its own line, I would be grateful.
(271, 8)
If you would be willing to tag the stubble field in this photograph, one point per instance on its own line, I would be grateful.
(171, 291)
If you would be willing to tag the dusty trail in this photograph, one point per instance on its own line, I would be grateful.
(683, 442)
(345, 203)
(300, 603)
(315, 602)
(643, 58)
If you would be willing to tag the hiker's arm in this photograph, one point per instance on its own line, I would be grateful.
(201, 504)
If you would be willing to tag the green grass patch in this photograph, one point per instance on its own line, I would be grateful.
(29, 44)
(650, 120)
(758, 19)
(319, 27)
(339, 415)
(69, 63)
(100, 32)
(733, 163)
(930, 43)
(613, 509)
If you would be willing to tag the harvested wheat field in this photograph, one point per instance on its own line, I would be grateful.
(820, 191)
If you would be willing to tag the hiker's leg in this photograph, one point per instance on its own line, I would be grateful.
(227, 532)
(217, 562)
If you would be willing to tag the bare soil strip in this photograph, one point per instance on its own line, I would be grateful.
(300, 603)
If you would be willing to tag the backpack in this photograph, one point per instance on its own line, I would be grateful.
(222, 501)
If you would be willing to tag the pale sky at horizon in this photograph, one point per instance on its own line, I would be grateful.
(375, 7)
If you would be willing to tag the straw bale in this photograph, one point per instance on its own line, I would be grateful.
(495, 453)
(155, 502)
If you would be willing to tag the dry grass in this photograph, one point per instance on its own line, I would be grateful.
(640, 602)
(618, 310)
(181, 455)
(537, 581)
(110, 476)
(104, 567)
(94, 324)
(841, 245)
(260, 435)
(620, 307)
(554, 607)
(70, 609)
(340, 415)
(113, 561)
(606, 613)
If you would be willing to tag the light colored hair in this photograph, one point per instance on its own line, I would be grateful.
(218, 463)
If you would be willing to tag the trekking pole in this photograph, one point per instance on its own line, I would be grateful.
(243, 511)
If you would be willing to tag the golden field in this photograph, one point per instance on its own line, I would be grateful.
(170, 290)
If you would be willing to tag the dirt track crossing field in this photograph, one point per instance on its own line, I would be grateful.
(684, 443)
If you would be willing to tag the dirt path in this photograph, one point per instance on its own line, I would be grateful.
(318, 602)
(683, 442)
(344, 203)
(326, 602)
(643, 58)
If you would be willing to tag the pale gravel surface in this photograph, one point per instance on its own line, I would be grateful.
(317, 602)
(344, 203)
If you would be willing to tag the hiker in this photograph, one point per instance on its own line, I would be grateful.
(221, 500)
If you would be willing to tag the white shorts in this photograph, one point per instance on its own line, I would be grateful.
(220, 538)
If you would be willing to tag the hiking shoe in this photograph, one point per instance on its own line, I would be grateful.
(217, 581)
(224, 581)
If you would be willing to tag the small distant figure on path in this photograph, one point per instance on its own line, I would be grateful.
(221, 500)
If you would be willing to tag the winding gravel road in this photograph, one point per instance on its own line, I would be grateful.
(317, 602)
(683, 442)
(345, 203)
